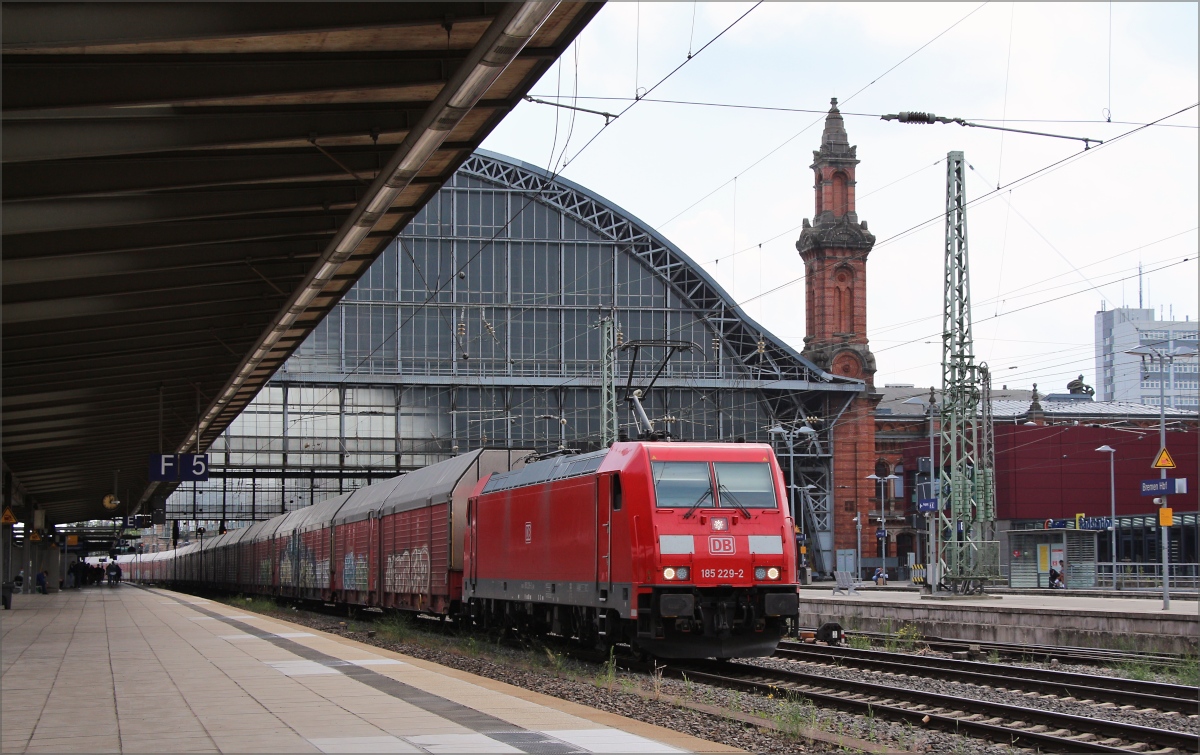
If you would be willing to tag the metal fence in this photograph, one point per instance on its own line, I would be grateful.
(1148, 576)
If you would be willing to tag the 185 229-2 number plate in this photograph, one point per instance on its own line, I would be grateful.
(723, 573)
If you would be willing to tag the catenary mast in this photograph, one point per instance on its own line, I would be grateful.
(968, 553)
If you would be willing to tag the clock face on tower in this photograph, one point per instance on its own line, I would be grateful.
(847, 364)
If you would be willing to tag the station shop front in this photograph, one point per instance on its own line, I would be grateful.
(1139, 552)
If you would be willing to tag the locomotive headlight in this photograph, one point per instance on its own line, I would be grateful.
(669, 573)
(720, 523)
(760, 572)
(681, 572)
(773, 573)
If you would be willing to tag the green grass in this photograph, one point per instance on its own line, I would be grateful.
(256, 604)
(858, 642)
(1186, 672)
(908, 638)
(608, 673)
(794, 717)
(395, 628)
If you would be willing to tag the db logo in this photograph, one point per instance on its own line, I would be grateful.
(721, 545)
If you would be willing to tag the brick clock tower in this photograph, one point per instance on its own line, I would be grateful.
(834, 247)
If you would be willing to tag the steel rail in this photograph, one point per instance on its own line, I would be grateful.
(1154, 695)
(956, 714)
(1045, 652)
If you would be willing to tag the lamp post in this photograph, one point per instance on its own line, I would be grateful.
(200, 531)
(789, 438)
(858, 548)
(1112, 490)
(1164, 357)
(883, 512)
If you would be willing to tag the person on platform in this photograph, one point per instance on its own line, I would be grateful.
(881, 576)
(1056, 580)
(40, 581)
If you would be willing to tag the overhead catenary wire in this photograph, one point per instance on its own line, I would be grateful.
(544, 100)
(1183, 261)
(660, 82)
(795, 228)
(1028, 177)
(1007, 75)
(1013, 292)
(815, 122)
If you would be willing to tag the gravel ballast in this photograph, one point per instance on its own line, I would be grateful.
(766, 725)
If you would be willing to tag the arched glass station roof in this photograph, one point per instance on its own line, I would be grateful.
(480, 325)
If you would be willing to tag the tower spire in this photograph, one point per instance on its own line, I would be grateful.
(834, 247)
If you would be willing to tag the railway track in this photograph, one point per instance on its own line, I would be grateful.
(1039, 653)
(1083, 688)
(1042, 730)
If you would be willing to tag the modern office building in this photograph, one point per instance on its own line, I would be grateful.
(1121, 376)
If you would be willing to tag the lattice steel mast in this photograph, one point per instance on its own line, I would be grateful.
(967, 555)
(609, 427)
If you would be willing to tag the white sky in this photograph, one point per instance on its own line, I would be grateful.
(1077, 228)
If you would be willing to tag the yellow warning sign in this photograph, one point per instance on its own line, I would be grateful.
(34, 537)
(8, 516)
(1163, 460)
(1166, 517)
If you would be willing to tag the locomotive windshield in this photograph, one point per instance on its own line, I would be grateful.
(742, 484)
(683, 484)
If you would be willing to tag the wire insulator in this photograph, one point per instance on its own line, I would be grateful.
(762, 345)
(915, 117)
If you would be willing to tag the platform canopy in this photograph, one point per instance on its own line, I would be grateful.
(190, 187)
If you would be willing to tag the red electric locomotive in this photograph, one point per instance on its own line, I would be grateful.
(680, 549)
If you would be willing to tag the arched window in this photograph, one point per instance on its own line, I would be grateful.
(817, 192)
(840, 198)
(843, 300)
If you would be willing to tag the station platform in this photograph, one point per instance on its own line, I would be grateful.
(134, 670)
(1049, 617)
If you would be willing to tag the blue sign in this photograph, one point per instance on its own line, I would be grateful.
(1166, 486)
(178, 467)
(1095, 523)
(193, 467)
(927, 504)
(163, 468)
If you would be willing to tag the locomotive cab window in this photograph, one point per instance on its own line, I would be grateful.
(745, 484)
(682, 484)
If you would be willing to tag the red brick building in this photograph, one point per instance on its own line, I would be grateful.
(1046, 465)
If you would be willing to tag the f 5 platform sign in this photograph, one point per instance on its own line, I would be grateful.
(178, 467)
